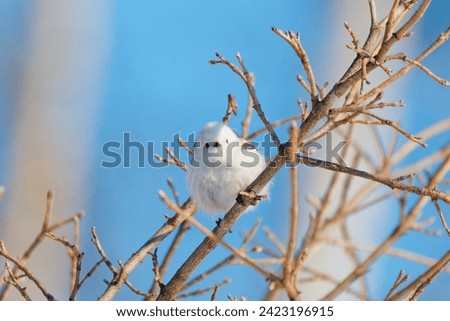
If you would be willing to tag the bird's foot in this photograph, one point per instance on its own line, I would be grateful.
(249, 198)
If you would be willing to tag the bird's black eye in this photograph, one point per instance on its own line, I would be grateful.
(212, 144)
(226, 140)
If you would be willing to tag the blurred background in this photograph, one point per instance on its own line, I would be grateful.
(75, 75)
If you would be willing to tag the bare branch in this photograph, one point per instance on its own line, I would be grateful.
(304, 84)
(12, 279)
(401, 278)
(248, 113)
(294, 41)
(25, 270)
(171, 162)
(102, 253)
(248, 79)
(390, 24)
(288, 266)
(407, 222)
(351, 109)
(443, 37)
(403, 57)
(44, 228)
(392, 183)
(237, 252)
(136, 290)
(278, 244)
(183, 144)
(189, 207)
(232, 107)
(213, 288)
(355, 40)
(274, 125)
(156, 268)
(216, 289)
(174, 191)
(390, 123)
(91, 271)
(441, 216)
(417, 286)
(169, 255)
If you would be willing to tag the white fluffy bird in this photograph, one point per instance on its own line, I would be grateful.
(222, 166)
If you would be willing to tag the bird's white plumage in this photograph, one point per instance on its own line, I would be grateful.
(222, 165)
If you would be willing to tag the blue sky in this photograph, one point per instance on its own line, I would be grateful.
(156, 82)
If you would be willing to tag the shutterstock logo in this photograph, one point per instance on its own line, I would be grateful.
(129, 153)
(119, 154)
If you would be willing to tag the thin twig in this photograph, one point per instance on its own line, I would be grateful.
(168, 257)
(224, 262)
(403, 57)
(170, 162)
(302, 254)
(216, 289)
(239, 253)
(248, 113)
(248, 79)
(418, 292)
(392, 183)
(91, 271)
(354, 258)
(75, 256)
(25, 270)
(175, 158)
(26, 255)
(232, 107)
(390, 24)
(213, 288)
(443, 37)
(76, 283)
(102, 253)
(156, 268)
(289, 276)
(401, 278)
(352, 35)
(390, 123)
(174, 191)
(12, 279)
(64, 222)
(399, 253)
(407, 222)
(423, 279)
(304, 84)
(188, 208)
(278, 244)
(136, 290)
(293, 39)
(426, 134)
(320, 276)
(184, 145)
(275, 124)
(441, 216)
(352, 109)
